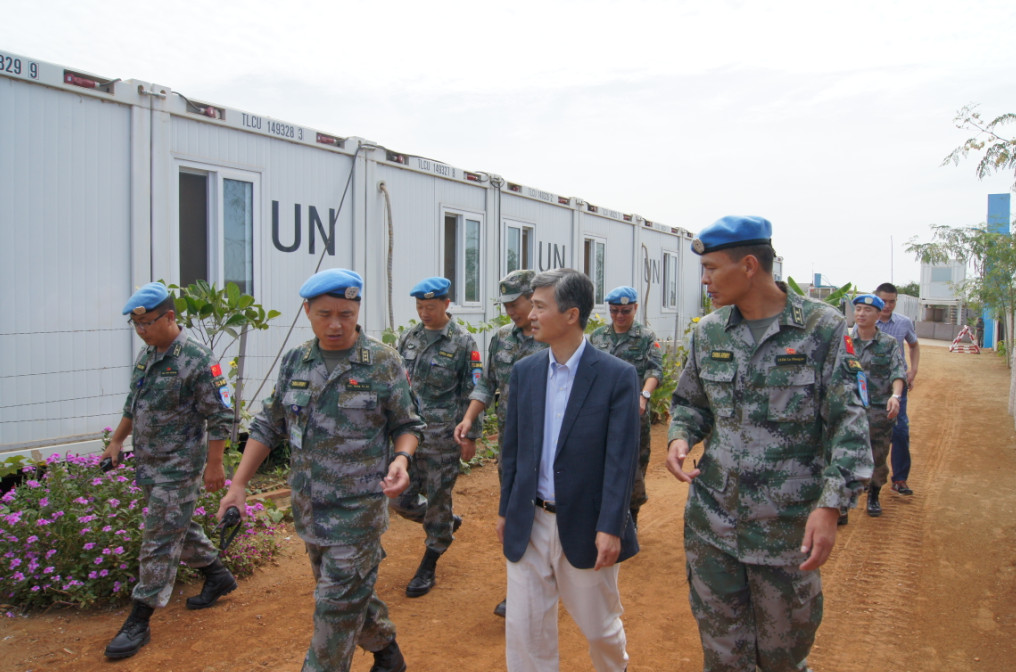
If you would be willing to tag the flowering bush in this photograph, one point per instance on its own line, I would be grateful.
(70, 534)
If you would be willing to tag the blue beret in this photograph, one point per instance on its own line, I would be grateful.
(335, 281)
(146, 298)
(869, 300)
(431, 288)
(622, 296)
(733, 231)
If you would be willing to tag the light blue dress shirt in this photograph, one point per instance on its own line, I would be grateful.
(560, 378)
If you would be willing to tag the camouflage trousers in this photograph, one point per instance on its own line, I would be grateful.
(751, 615)
(638, 492)
(347, 610)
(170, 536)
(881, 432)
(428, 499)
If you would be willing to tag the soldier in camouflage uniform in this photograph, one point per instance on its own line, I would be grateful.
(635, 343)
(443, 364)
(771, 387)
(882, 359)
(508, 345)
(340, 400)
(177, 388)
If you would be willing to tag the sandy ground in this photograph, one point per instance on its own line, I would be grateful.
(929, 586)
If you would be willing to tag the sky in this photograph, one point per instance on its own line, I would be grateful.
(831, 120)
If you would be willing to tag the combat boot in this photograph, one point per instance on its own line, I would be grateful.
(389, 659)
(134, 633)
(421, 584)
(874, 508)
(218, 582)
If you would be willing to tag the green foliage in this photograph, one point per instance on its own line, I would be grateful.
(673, 361)
(910, 289)
(999, 152)
(71, 534)
(834, 298)
(13, 465)
(993, 257)
(212, 313)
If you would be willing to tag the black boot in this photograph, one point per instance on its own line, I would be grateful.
(389, 659)
(874, 508)
(218, 582)
(134, 634)
(421, 584)
(635, 518)
(502, 608)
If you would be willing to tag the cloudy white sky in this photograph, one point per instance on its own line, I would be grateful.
(831, 120)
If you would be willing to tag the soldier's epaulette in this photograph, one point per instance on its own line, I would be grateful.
(177, 349)
(364, 356)
(307, 347)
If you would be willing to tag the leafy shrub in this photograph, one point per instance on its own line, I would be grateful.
(71, 534)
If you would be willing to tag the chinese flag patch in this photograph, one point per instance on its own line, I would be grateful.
(849, 342)
(216, 370)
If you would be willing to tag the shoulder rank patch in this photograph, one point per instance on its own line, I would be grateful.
(721, 355)
(177, 350)
(849, 343)
(791, 360)
(798, 316)
(354, 384)
(363, 356)
(299, 384)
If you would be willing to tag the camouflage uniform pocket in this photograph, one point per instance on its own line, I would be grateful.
(791, 394)
(164, 394)
(719, 386)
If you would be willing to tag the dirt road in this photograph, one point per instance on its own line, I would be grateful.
(929, 586)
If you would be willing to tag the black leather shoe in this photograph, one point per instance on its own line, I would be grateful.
(421, 584)
(134, 633)
(218, 582)
(501, 609)
(874, 509)
(389, 659)
(456, 523)
(843, 520)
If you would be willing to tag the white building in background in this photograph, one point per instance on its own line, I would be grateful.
(106, 184)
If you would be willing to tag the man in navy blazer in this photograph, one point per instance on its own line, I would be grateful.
(569, 458)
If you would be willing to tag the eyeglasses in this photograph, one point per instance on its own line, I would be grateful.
(142, 326)
(621, 311)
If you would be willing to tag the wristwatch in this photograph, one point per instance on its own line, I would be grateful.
(647, 394)
(409, 458)
(897, 396)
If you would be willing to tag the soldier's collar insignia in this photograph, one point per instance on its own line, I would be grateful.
(177, 350)
(798, 316)
(363, 356)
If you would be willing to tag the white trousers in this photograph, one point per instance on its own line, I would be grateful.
(536, 582)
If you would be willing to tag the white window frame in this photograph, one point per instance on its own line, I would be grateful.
(462, 217)
(592, 268)
(216, 175)
(671, 254)
(527, 234)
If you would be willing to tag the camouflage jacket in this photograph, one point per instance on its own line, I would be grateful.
(882, 360)
(784, 427)
(507, 346)
(442, 374)
(637, 346)
(339, 426)
(173, 395)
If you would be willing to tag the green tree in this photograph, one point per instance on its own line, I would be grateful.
(993, 257)
(910, 289)
(214, 315)
(999, 152)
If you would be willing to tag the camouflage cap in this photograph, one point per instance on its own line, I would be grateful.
(515, 284)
